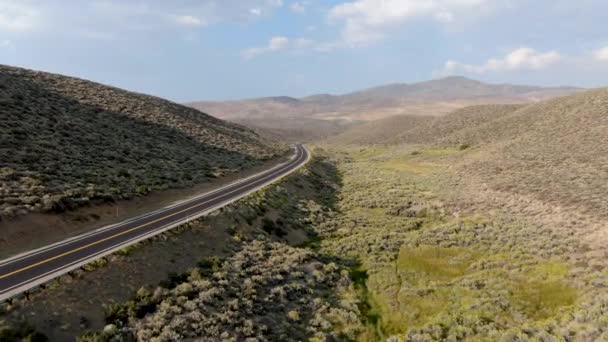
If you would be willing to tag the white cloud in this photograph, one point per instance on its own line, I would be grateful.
(519, 59)
(444, 17)
(189, 21)
(299, 7)
(601, 54)
(275, 44)
(366, 21)
(261, 6)
(280, 43)
(116, 18)
(17, 16)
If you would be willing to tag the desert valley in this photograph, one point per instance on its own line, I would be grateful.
(482, 222)
(302, 170)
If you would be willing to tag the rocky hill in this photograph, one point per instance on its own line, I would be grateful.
(66, 142)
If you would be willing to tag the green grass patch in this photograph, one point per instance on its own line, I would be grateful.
(472, 221)
(369, 212)
(372, 317)
(542, 299)
(420, 168)
(435, 263)
(368, 152)
(429, 271)
(440, 151)
(430, 282)
(542, 290)
(415, 162)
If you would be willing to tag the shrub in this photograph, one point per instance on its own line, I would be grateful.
(21, 332)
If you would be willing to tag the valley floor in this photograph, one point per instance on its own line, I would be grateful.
(367, 244)
(438, 263)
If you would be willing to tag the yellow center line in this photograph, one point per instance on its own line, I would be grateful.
(119, 234)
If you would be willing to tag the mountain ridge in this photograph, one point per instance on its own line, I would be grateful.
(433, 97)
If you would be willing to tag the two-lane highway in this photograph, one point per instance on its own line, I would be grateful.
(23, 272)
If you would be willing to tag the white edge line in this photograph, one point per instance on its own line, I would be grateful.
(66, 269)
(130, 220)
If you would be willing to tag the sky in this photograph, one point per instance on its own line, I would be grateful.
(187, 50)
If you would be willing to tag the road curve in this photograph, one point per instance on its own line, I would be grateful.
(25, 271)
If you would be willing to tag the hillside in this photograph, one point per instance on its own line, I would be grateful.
(435, 97)
(448, 129)
(488, 223)
(378, 131)
(451, 128)
(551, 151)
(66, 142)
(548, 150)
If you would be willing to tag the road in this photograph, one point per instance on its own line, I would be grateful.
(28, 270)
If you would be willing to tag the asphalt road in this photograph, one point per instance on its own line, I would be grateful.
(28, 270)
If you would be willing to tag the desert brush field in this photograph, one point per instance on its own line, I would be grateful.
(67, 142)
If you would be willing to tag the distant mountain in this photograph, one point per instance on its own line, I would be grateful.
(67, 142)
(435, 97)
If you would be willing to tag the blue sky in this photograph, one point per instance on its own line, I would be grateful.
(227, 49)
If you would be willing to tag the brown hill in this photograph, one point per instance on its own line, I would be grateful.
(65, 142)
(379, 131)
(459, 127)
(434, 97)
(553, 151)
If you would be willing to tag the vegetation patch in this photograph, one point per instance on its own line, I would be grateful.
(67, 143)
(20, 332)
(267, 291)
(416, 167)
(430, 270)
(542, 299)
(542, 290)
(435, 263)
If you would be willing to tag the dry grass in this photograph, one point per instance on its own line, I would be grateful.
(458, 127)
(378, 131)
